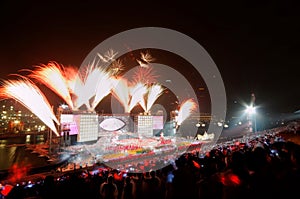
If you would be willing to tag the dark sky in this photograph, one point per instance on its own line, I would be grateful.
(255, 45)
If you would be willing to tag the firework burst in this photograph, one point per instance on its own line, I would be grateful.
(144, 75)
(88, 86)
(145, 60)
(146, 57)
(116, 67)
(109, 56)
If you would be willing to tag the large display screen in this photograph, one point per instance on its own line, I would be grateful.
(112, 124)
(68, 123)
(158, 122)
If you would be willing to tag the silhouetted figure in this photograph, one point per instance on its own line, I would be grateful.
(151, 186)
(169, 185)
(235, 180)
(48, 190)
(128, 189)
(262, 180)
(108, 190)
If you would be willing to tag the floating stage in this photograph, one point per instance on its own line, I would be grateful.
(124, 141)
(136, 154)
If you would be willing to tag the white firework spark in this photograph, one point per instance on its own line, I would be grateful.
(75, 87)
(87, 87)
(30, 96)
(185, 110)
(146, 57)
(145, 60)
(116, 67)
(122, 93)
(142, 64)
(153, 92)
(109, 56)
(137, 93)
(104, 85)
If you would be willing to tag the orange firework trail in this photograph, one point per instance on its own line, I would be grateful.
(75, 87)
(88, 86)
(54, 77)
(29, 95)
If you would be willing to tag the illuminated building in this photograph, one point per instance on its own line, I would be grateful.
(15, 118)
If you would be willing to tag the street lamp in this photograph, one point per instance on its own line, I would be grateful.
(251, 115)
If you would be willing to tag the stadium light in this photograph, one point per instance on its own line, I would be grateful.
(251, 115)
(250, 110)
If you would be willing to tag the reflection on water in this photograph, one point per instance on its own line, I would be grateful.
(13, 150)
(3, 143)
(28, 139)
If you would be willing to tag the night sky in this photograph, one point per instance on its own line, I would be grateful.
(255, 45)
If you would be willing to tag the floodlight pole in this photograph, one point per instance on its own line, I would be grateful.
(255, 123)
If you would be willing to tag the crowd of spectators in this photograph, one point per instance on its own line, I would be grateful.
(266, 166)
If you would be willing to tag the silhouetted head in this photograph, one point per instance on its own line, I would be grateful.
(127, 179)
(110, 179)
(238, 159)
(152, 173)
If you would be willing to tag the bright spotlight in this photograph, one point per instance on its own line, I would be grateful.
(250, 110)
(251, 116)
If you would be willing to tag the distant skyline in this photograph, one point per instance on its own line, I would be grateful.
(255, 46)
